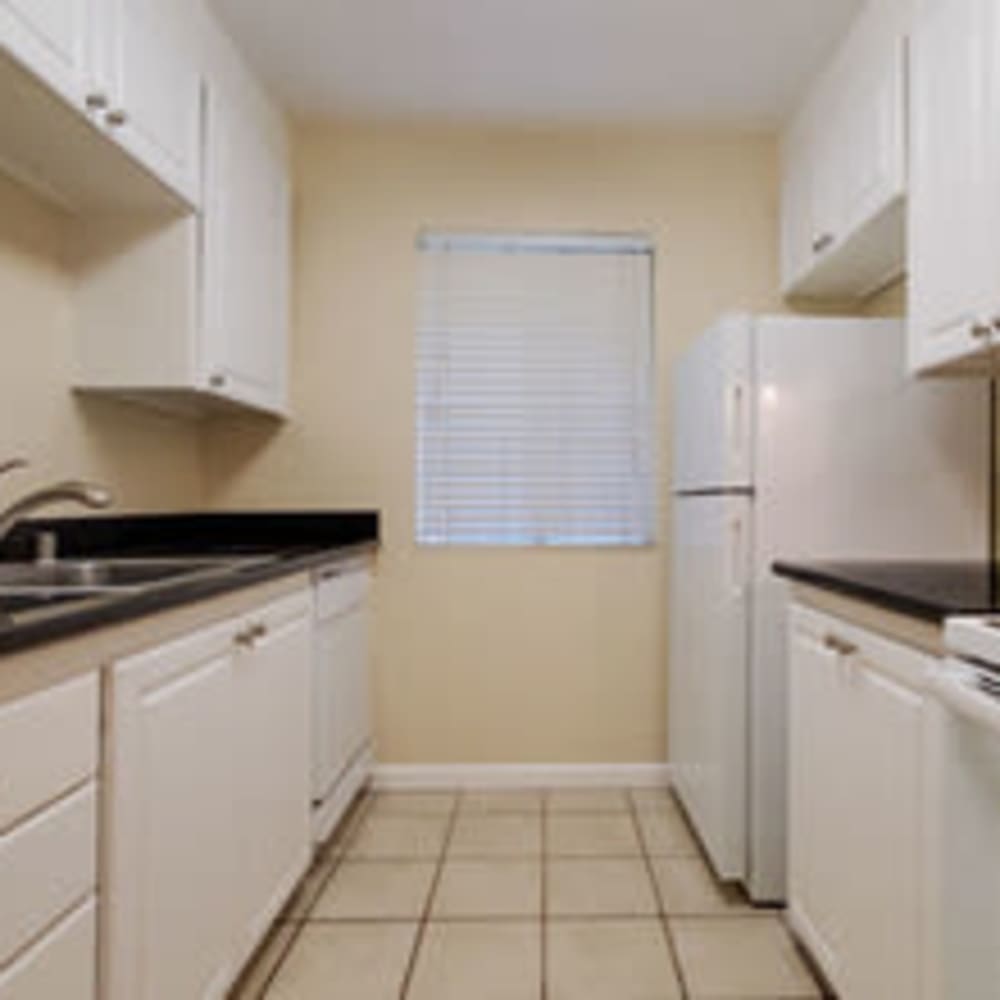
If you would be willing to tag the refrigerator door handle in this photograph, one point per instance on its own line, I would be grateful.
(737, 560)
(735, 407)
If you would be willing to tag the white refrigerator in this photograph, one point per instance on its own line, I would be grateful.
(793, 438)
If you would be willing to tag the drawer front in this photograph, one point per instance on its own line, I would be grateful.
(53, 737)
(47, 866)
(339, 591)
(60, 966)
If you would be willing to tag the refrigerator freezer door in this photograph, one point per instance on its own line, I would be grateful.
(713, 408)
(708, 671)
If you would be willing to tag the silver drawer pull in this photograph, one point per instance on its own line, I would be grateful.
(839, 646)
(823, 242)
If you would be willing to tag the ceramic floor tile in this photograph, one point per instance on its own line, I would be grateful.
(496, 836)
(688, 888)
(740, 957)
(345, 962)
(588, 800)
(259, 972)
(399, 837)
(592, 835)
(654, 800)
(666, 833)
(367, 890)
(413, 803)
(599, 886)
(489, 803)
(609, 960)
(485, 961)
(489, 889)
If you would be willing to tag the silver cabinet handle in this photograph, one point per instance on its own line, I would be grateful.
(12, 464)
(823, 242)
(839, 646)
(217, 380)
(981, 331)
(116, 118)
(249, 636)
(96, 101)
(244, 638)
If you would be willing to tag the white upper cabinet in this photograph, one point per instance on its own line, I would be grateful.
(191, 314)
(955, 206)
(844, 166)
(246, 263)
(154, 95)
(91, 79)
(53, 40)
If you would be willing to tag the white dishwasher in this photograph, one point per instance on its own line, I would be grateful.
(342, 728)
(963, 816)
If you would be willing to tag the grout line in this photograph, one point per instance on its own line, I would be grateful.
(418, 938)
(544, 902)
(668, 933)
(351, 823)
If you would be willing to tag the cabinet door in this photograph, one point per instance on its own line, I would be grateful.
(156, 93)
(271, 692)
(881, 854)
(796, 206)
(246, 242)
(818, 792)
(170, 822)
(52, 39)
(873, 147)
(953, 208)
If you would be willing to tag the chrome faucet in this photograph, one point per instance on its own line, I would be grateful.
(12, 464)
(88, 494)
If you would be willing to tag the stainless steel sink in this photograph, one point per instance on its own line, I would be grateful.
(96, 576)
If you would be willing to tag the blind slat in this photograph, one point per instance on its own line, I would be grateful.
(534, 400)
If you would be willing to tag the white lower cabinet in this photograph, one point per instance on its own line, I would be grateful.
(62, 965)
(272, 696)
(48, 843)
(855, 862)
(207, 805)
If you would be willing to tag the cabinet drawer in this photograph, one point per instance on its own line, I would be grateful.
(47, 866)
(53, 736)
(61, 966)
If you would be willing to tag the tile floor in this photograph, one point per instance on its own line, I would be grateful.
(560, 895)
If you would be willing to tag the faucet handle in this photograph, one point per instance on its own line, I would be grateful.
(12, 464)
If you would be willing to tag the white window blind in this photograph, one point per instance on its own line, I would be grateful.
(534, 409)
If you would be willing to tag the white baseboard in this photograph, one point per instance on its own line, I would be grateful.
(413, 777)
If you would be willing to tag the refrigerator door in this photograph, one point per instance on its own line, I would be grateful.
(708, 671)
(713, 432)
(853, 460)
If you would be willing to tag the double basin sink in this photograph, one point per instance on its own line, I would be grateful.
(27, 587)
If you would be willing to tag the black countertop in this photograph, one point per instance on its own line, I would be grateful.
(931, 591)
(274, 544)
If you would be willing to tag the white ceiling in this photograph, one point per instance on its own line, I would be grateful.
(672, 61)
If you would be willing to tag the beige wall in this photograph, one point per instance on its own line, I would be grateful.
(492, 656)
(149, 461)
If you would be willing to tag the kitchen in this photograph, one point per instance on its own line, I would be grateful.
(517, 838)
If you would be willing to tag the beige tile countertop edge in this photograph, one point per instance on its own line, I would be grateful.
(22, 673)
(926, 636)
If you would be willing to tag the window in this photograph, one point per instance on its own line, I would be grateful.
(534, 398)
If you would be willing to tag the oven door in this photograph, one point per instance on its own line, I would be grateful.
(962, 949)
